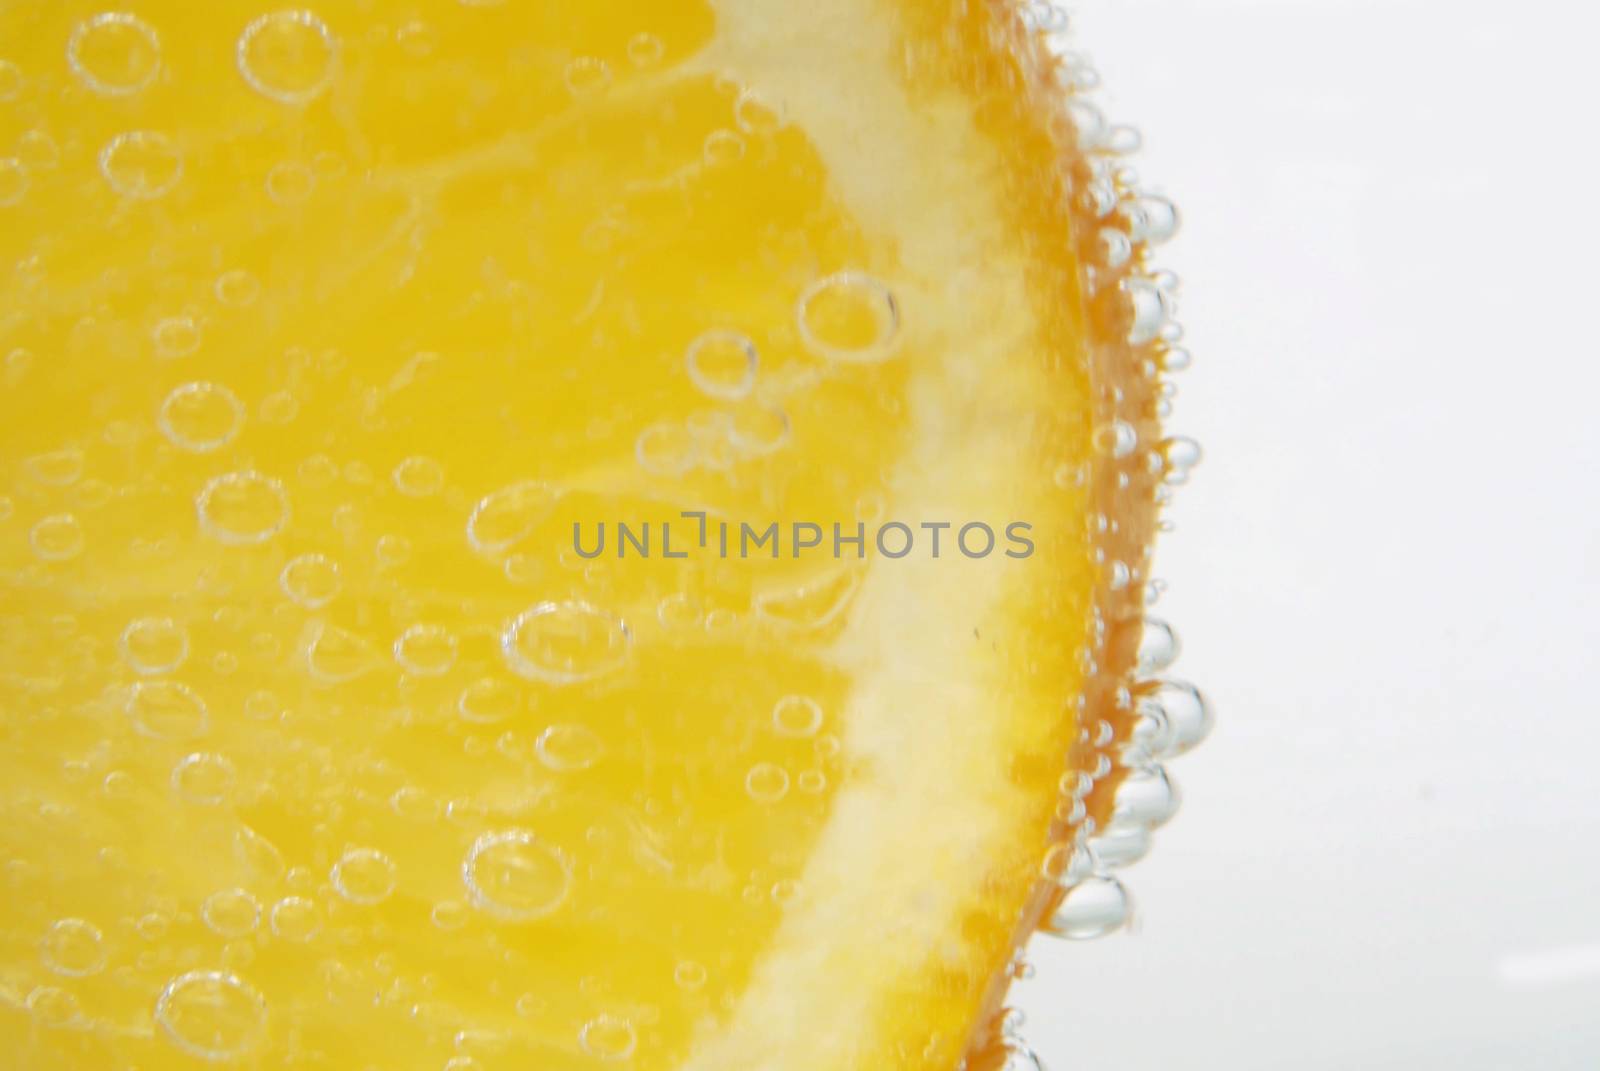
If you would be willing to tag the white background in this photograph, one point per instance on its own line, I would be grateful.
(1385, 571)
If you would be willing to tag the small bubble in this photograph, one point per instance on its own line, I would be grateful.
(757, 115)
(608, 1037)
(504, 517)
(689, 975)
(450, 914)
(755, 429)
(176, 336)
(290, 183)
(1091, 908)
(393, 550)
(203, 777)
(565, 642)
(295, 918)
(242, 508)
(59, 468)
(168, 710)
(13, 181)
(418, 476)
(586, 76)
(57, 537)
(722, 147)
(568, 747)
(11, 81)
(1158, 646)
(1151, 219)
(1116, 439)
(665, 449)
(796, 715)
(237, 288)
(1179, 456)
(722, 364)
(335, 655)
(73, 947)
(488, 700)
(37, 151)
(515, 876)
(279, 407)
(52, 1007)
(363, 876)
(766, 782)
(312, 580)
(1150, 308)
(416, 39)
(425, 650)
(1183, 715)
(142, 164)
(287, 56)
(115, 54)
(213, 1015)
(231, 912)
(849, 317)
(200, 417)
(1067, 864)
(645, 50)
(812, 781)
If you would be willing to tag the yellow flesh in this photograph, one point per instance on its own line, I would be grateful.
(461, 267)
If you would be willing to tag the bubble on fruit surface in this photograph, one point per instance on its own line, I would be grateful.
(426, 650)
(290, 182)
(1158, 646)
(167, 710)
(57, 468)
(450, 915)
(766, 782)
(52, 1007)
(585, 76)
(565, 643)
(722, 364)
(231, 912)
(1067, 864)
(1184, 713)
(721, 148)
(1146, 795)
(37, 151)
(488, 700)
(237, 288)
(14, 181)
(645, 50)
(363, 876)
(608, 1037)
(1116, 439)
(212, 1015)
(418, 476)
(334, 655)
(115, 54)
(175, 336)
(1150, 308)
(203, 777)
(503, 518)
(567, 747)
(295, 918)
(200, 417)
(1092, 908)
(1179, 456)
(311, 580)
(755, 113)
(242, 508)
(515, 876)
(141, 164)
(57, 538)
(796, 715)
(287, 56)
(1119, 845)
(73, 948)
(665, 449)
(756, 429)
(849, 317)
(1150, 218)
(11, 81)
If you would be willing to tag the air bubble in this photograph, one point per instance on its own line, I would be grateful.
(1067, 864)
(796, 715)
(237, 288)
(1179, 456)
(608, 1037)
(363, 876)
(58, 468)
(488, 700)
(231, 913)
(152, 645)
(665, 449)
(295, 918)
(1116, 439)
(515, 876)
(849, 317)
(1145, 796)
(721, 148)
(176, 336)
(450, 914)
(504, 517)
(426, 650)
(1120, 845)
(586, 76)
(312, 580)
(203, 777)
(722, 364)
(689, 975)
(290, 183)
(53, 1007)
(287, 56)
(73, 948)
(213, 1015)
(756, 430)
(566, 642)
(766, 782)
(1183, 714)
(756, 114)
(335, 655)
(567, 747)
(37, 151)
(1092, 908)
(142, 164)
(1158, 646)
(418, 477)
(13, 181)
(11, 81)
(242, 508)
(115, 54)
(168, 710)
(645, 50)
(1150, 306)
(1150, 219)
(200, 417)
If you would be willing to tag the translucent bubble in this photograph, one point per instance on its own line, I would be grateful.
(1158, 646)
(203, 777)
(237, 288)
(849, 317)
(176, 336)
(312, 580)
(1179, 456)
(1150, 218)
(505, 517)
(290, 183)
(756, 114)
(1116, 439)
(568, 747)
(213, 1015)
(797, 715)
(1120, 845)
(488, 700)
(335, 655)
(142, 164)
(1183, 715)
(1145, 796)
(37, 151)
(200, 417)
(515, 876)
(242, 508)
(52, 1007)
(287, 56)
(57, 537)
(722, 147)
(416, 39)
(566, 642)
(418, 477)
(766, 782)
(1092, 908)
(1150, 308)
(450, 914)
(363, 876)
(231, 912)
(645, 50)
(756, 430)
(295, 918)
(73, 947)
(1018, 1057)
(13, 181)
(169, 710)
(11, 81)
(608, 1037)
(393, 550)
(425, 650)
(812, 781)
(1116, 248)
(586, 76)
(722, 364)
(58, 468)
(115, 53)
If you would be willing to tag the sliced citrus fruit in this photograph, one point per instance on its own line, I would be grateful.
(543, 535)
